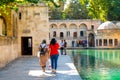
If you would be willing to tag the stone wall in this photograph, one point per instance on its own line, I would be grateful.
(33, 23)
(8, 43)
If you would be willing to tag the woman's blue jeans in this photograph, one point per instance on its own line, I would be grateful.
(54, 59)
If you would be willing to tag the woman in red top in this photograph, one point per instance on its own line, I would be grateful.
(53, 47)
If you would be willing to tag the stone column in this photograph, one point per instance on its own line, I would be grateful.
(94, 41)
(87, 42)
(113, 42)
(108, 42)
(98, 42)
(102, 42)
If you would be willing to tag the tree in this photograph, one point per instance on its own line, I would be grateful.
(114, 10)
(56, 13)
(76, 11)
(103, 9)
(11, 4)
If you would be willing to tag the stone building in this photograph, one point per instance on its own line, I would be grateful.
(86, 33)
(32, 28)
(77, 33)
(21, 32)
(108, 35)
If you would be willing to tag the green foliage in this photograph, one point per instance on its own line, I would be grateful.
(76, 10)
(114, 10)
(103, 9)
(55, 14)
(32, 1)
(98, 9)
(11, 4)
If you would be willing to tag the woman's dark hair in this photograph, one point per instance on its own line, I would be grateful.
(44, 41)
(53, 41)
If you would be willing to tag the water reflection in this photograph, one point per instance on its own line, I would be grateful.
(97, 64)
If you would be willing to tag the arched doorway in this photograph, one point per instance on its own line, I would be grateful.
(91, 41)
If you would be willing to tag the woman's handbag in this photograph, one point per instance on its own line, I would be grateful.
(38, 54)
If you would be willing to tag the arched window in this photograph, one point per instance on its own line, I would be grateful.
(3, 29)
(61, 34)
(53, 26)
(75, 34)
(81, 33)
(54, 34)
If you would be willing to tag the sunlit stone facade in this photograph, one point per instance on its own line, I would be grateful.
(108, 35)
(32, 28)
(8, 38)
(86, 33)
(77, 33)
(21, 32)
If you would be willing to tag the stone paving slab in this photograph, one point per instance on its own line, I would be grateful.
(27, 68)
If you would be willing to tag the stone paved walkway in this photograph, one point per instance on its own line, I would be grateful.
(27, 68)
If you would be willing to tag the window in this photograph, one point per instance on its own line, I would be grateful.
(20, 15)
(96, 42)
(54, 34)
(61, 34)
(75, 34)
(3, 28)
(92, 27)
(116, 42)
(81, 33)
(105, 42)
(110, 42)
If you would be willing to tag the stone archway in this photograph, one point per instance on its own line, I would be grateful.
(91, 41)
(3, 27)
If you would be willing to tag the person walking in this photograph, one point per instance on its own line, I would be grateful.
(61, 47)
(44, 55)
(65, 45)
(53, 51)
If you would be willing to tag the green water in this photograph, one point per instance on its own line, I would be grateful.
(97, 64)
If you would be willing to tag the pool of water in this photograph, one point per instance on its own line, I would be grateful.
(97, 64)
